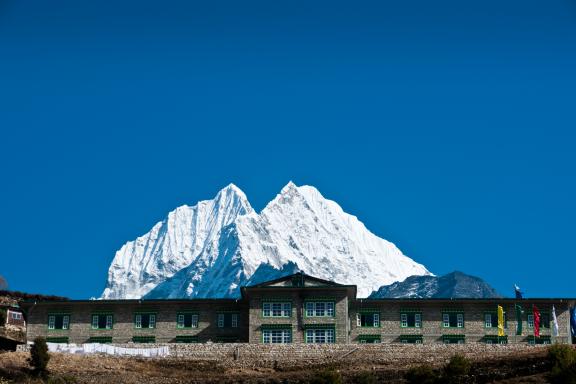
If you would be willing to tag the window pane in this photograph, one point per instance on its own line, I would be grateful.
(417, 320)
(403, 320)
(180, 321)
(309, 309)
(329, 309)
(109, 321)
(194, 321)
(94, 321)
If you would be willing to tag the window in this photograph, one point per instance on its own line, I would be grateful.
(411, 339)
(545, 320)
(185, 339)
(276, 309)
(411, 320)
(491, 320)
(60, 340)
(453, 339)
(145, 320)
(15, 315)
(144, 339)
(101, 339)
(227, 320)
(320, 309)
(58, 322)
(539, 340)
(369, 339)
(453, 320)
(368, 319)
(187, 320)
(102, 321)
(276, 336)
(320, 336)
(530, 321)
(493, 339)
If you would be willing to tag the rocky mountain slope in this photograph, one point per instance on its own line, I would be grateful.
(452, 285)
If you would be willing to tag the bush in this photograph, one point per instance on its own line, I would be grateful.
(562, 358)
(423, 374)
(39, 355)
(366, 378)
(327, 377)
(458, 366)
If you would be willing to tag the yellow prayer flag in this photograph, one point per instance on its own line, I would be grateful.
(500, 321)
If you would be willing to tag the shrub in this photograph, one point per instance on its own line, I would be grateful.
(327, 377)
(423, 374)
(39, 355)
(562, 358)
(457, 367)
(366, 378)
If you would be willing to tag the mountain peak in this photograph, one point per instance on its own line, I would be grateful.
(216, 246)
(452, 285)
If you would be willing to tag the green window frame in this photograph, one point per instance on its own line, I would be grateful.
(530, 321)
(186, 339)
(453, 319)
(145, 320)
(101, 339)
(544, 320)
(58, 321)
(277, 335)
(532, 340)
(411, 319)
(491, 320)
(58, 339)
(320, 333)
(494, 339)
(411, 339)
(369, 339)
(102, 321)
(227, 319)
(276, 309)
(320, 308)
(367, 319)
(187, 320)
(144, 339)
(454, 339)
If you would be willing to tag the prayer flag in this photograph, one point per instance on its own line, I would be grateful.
(554, 321)
(536, 314)
(500, 321)
(519, 312)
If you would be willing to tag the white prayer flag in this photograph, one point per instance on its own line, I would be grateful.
(554, 321)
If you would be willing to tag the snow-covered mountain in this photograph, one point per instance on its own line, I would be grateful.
(213, 248)
(456, 285)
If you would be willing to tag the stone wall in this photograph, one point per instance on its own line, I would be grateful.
(305, 355)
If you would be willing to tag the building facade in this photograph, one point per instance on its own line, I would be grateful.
(298, 309)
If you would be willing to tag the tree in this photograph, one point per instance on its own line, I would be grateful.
(39, 355)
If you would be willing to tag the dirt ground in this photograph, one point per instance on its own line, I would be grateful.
(65, 368)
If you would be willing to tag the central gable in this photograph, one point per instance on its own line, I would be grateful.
(296, 280)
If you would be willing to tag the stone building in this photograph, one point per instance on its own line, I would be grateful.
(296, 309)
(12, 324)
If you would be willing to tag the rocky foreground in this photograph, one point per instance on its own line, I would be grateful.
(230, 364)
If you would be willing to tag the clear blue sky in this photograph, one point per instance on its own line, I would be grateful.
(447, 127)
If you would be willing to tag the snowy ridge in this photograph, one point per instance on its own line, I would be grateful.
(208, 256)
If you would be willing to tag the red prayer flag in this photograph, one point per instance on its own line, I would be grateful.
(536, 313)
